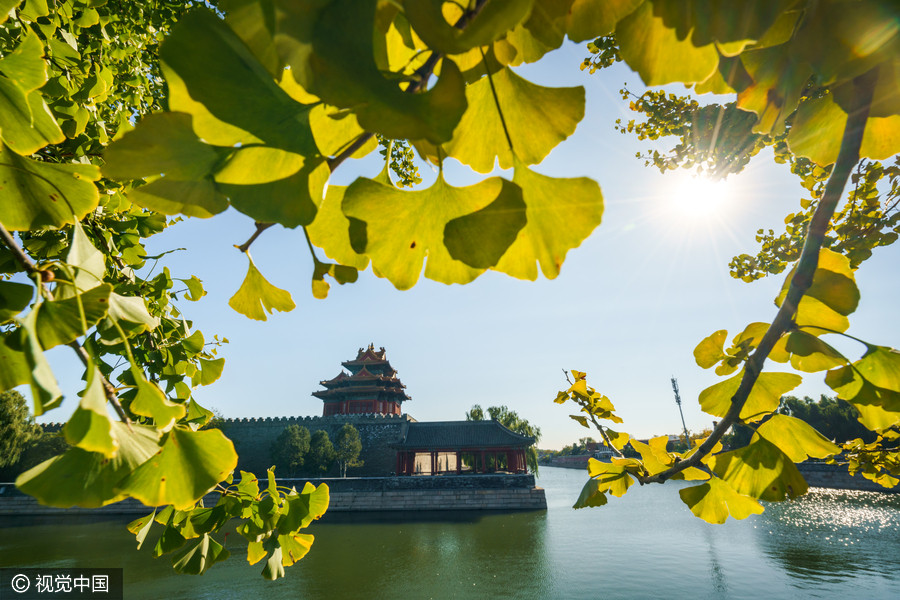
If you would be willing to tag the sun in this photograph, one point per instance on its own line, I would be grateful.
(699, 197)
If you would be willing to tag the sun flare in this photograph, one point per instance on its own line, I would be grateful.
(696, 196)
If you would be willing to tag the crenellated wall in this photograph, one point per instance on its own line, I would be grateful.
(253, 439)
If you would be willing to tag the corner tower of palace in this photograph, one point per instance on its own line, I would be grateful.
(372, 387)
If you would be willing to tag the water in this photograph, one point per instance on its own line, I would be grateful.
(829, 544)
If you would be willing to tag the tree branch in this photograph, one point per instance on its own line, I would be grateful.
(32, 269)
(847, 158)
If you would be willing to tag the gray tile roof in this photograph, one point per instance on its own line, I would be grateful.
(460, 435)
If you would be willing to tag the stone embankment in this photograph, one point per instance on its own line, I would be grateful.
(356, 494)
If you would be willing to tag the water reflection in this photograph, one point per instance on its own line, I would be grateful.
(828, 544)
(834, 536)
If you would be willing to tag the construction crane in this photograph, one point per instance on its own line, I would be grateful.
(687, 437)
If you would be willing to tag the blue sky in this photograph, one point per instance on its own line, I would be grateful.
(628, 307)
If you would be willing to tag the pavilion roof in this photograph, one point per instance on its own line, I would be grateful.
(460, 435)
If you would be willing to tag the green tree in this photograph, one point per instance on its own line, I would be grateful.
(321, 453)
(17, 428)
(347, 447)
(289, 450)
(511, 420)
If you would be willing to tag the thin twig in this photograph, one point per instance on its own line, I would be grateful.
(260, 227)
(847, 158)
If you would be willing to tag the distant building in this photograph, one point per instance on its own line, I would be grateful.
(372, 388)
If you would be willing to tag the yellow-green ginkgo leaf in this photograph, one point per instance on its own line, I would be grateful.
(656, 53)
(171, 197)
(25, 66)
(763, 399)
(881, 367)
(256, 296)
(819, 126)
(592, 494)
(89, 427)
(205, 125)
(265, 202)
(796, 438)
(480, 137)
(60, 321)
(707, 21)
(45, 392)
(878, 408)
(39, 194)
(14, 298)
(653, 462)
(220, 72)
(709, 351)
(26, 123)
(402, 228)
(151, 402)
(88, 479)
(588, 19)
(343, 73)
(211, 370)
(489, 24)
(613, 478)
(832, 295)
(188, 465)
(561, 213)
(335, 130)
(760, 470)
(294, 546)
(810, 354)
(330, 230)
(714, 500)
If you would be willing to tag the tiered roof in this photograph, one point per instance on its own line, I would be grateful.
(370, 372)
(460, 435)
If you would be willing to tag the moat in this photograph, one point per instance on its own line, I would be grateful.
(829, 544)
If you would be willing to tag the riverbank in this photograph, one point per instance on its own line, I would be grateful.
(356, 494)
(817, 475)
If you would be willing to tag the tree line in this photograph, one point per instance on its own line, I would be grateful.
(296, 452)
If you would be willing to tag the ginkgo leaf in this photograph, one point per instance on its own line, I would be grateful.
(760, 470)
(45, 392)
(305, 507)
(221, 73)
(880, 366)
(820, 122)
(763, 399)
(88, 479)
(89, 427)
(588, 19)
(334, 130)
(878, 408)
(810, 354)
(25, 66)
(489, 24)
(162, 143)
(591, 495)
(256, 296)
(710, 351)
(832, 295)
(89, 263)
(342, 72)
(561, 213)
(402, 228)
(796, 438)
(170, 197)
(40, 194)
(330, 230)
(151, 402)
(613, 478)
(714, 500)
(706, 22)
(656, 52)
(14, 298)
(187, 466)
(294, 546)
(60, 321)
(211, 370)
(778, 82)
(480, 137)
(199, 556)
(26, 123)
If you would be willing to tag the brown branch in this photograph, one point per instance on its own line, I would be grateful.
(847, 158)
(32, 269)
(260, 227)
